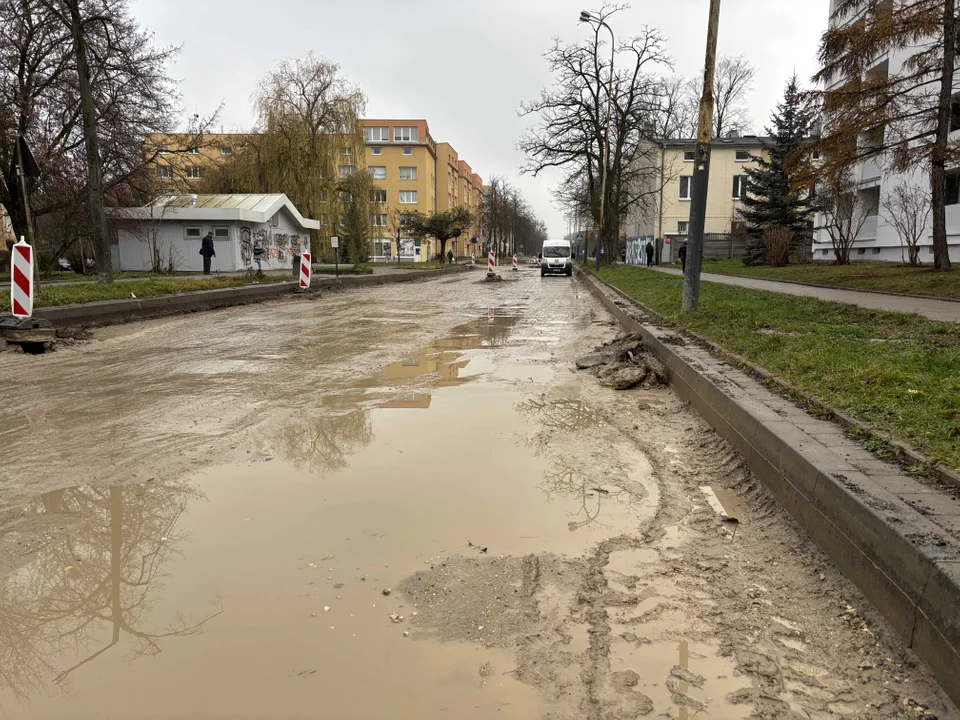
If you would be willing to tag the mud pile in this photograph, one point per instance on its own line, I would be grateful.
(624, 363)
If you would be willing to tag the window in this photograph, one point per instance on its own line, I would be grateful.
(379, 220)
(689, 155)
(953, 187)
(193, 171)
(324, 219)
(408, 151)
(376, 134)
(405, 134)
(875, 251)
(408, 173)
(378, 172)
(683, 227)
(955, 114)
(408, 197)
(744, 156)
(739, 186)
(376, 151)
(343, 220)
(221, 233)
(344, 196)
(378, 196)
(816, 155)
(226, 150)
(165, 172)
(405, 220)
(825, 252)
(685, 187)
(347, 151)
(346, 170)
(862, 251)
(323, 196)
(192, 233)
(164, 150)
(192, 151)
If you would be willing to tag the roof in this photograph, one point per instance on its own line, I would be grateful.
(247, 208)
(740, 141)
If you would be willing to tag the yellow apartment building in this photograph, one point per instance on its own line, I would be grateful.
(729, 158)
(181, 168)
(413, 173)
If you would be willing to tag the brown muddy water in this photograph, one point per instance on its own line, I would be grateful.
(397, 503)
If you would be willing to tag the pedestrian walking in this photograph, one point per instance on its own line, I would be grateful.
(649, 249)
(206, 249)
(449, 257)
(682, 253)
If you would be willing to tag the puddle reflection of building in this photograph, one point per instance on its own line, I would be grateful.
(83, 596)
(324, 444)
(444, 357)
(408, 401)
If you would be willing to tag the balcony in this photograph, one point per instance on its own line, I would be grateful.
(869, 172)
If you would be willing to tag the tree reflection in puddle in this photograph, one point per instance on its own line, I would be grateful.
(80, 598)
(326, 443)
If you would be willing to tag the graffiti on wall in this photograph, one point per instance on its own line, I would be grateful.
(246, 247)
(296, 248)
(281, 240)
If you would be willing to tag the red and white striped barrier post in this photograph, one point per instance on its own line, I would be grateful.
(491, 263)
(305, 268)
(21, 280)
(515, 263)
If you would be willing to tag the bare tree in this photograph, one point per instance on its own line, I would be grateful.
(842, 214)
(307, 128)
(571, 132)
(678, 112)
(732, 86)
(900, 117)
(127, 94)
(508, 221)
(907, 208)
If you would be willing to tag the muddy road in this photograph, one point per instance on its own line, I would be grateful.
(403, 502)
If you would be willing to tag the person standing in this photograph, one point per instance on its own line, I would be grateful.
(649, 250)
(206, 249)
(682, 253)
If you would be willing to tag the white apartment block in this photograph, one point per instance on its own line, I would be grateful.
(878, 240)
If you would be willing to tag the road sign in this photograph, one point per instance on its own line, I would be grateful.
(21, 280)
(305, 268)
(334, 242)
(579, 236)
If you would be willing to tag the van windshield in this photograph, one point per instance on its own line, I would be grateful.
(556, 251)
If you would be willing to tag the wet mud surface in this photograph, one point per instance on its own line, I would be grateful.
(404, 502)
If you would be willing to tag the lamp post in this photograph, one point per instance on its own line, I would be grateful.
(601, 236)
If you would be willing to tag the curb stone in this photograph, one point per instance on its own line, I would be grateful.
(109, 312)
(906, 565)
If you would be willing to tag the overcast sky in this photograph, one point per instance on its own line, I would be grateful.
(464, 66)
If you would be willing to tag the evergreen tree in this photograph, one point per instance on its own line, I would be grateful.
(774, 198)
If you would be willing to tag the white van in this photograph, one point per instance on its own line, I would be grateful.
(556, 257)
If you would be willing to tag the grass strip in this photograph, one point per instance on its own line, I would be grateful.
(898, 372)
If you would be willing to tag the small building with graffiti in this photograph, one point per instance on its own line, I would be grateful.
(250, 232)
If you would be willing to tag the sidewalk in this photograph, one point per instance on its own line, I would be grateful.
(942, 310)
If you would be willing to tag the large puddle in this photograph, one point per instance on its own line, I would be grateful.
(266, 588)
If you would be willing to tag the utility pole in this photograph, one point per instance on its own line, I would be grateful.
(701, 170)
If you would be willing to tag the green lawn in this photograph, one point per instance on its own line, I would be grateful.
(51, 295)
(898, 372)
(888, 277)
(60, 277)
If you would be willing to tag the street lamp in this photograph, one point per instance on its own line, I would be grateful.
(588, 18)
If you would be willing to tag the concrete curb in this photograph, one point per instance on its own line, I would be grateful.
(905, 565)
(110, 312)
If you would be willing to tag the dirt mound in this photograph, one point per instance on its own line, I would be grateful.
(625, 363)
